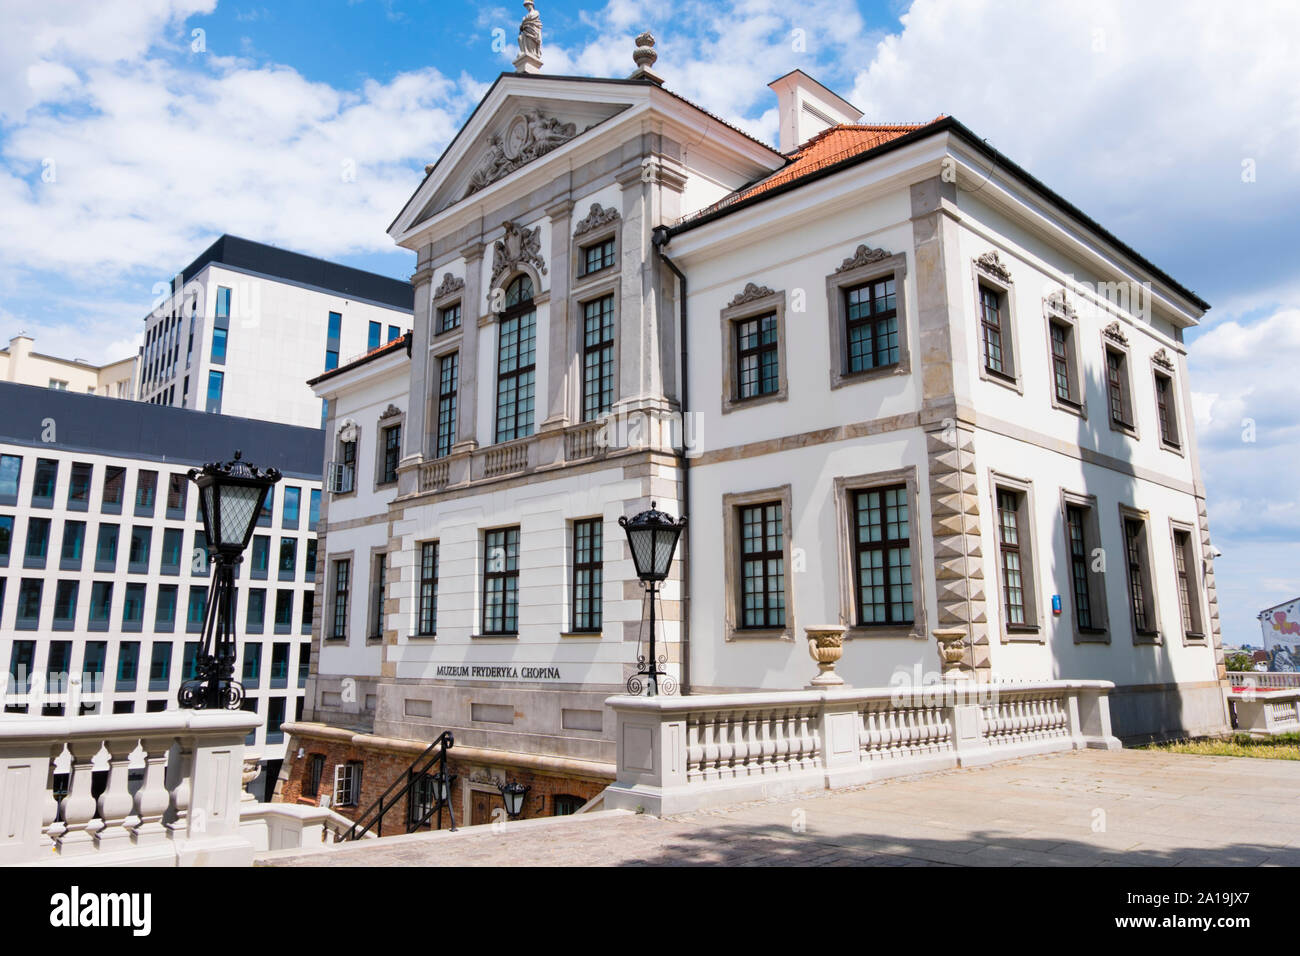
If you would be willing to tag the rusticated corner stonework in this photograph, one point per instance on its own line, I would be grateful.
(958, 549)
(1211, 591)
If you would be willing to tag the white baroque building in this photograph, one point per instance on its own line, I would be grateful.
(243, 326)
(103, 565)
(894, 381)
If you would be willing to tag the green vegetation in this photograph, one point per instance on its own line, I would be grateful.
(1238, 661)
(1281, 747)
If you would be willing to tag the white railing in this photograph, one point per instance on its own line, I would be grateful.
(1266, 711)
(584, 441)
(505, 460)
(1265, 680)
(184, 811)
(292, 826)
(435, 474)
(677, 754)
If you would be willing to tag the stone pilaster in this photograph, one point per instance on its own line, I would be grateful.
(471, 306)
(559, 338)
(413, 437)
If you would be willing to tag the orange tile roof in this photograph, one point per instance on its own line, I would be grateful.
(827, 148)
(391, 345)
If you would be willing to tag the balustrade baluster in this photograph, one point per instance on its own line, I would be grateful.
(152, 799)
(116, 802)
(79, 806)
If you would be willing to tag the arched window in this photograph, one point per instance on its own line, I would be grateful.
(516, 361)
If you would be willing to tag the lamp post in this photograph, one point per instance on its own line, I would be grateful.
(652, 537)
(513, 794)
(230, 499)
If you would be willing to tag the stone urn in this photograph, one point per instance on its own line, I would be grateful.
(248, 773)
(952, 651)
(825, 646)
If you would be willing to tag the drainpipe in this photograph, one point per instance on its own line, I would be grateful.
(660, 238)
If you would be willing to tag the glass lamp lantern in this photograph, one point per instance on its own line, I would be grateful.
(652, 538)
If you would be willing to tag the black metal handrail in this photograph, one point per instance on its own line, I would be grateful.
(435, 753)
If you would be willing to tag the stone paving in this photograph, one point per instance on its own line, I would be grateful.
(1089, 808)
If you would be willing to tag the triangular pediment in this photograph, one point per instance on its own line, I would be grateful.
(518, 131)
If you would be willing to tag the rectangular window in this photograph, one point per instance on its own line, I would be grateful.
(280, 664)
(260, 560)
(216, 382)
(501, 581)
(106, 548)
(394, 333)
(58, 667)
(223, 302)
(883, 569)
(372, 336)
(197, 607)
(313, 511)
(47, 476)
(343, 479)
(92, 667)
(138, 554)
(160, 666)
(79, 486)
(255, 617)
(170, 559)
(1117, 389)
(347, 784)
(288, 558)
(251, 675)
(7, 536)
(1165, 410)
(871, 325)
(588, 575)
(133, 607)
(21, 661)
(1137, 560)
(11, 467)
(114, 489)
(38, 542)
(597, 358)
(392, 445)
(757, 357)
(1189, 592)
(312, 778)
(65, 604)
(342, 582)
(332, 341)
(164, 615)
(308, 606)
(146, 493)
(448, 384)
(762, 565)
(283, 611)
(268, 506)
(128, 665)
(274, 720)
(516, 375)
(597, 256)
(1076, 532)
(101, 605)
(378, 584)
(177, 490)
(449, 318)
(309, 562)
(992, 328)
(292, 505)
(1009, 556)
(1064, 363)
(29, 603)
(74, 541)
(428, 617)
(190, 661)
(219, 346)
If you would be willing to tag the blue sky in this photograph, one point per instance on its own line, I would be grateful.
(126, 146)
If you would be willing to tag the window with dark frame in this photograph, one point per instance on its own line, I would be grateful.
(315, 770)
(992, 329)
(1063, 363)
(871, 325)
(1165, 410)
(342, 580)
(1077, 533)
(449, 317)
(1189, 604)
(762, 565)
(1117, 388)
(345, 479)
(427, 622)
(1135, 553)
(757, 357)
(883, 556)
(597, 256)
(392, 454)
(377, 589)
(516, 358)
(501, 581)
(588, 583)
(1013, 585)
(597, 358)
(448, 385)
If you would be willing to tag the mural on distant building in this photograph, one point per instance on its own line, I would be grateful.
(1277, 624)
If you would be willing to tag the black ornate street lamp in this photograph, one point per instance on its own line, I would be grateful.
(230, 499)
(513, 794)
(652, 537)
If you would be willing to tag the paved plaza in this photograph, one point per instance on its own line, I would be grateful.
(1090, 808)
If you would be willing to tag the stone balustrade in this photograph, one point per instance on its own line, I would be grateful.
(1265, 680)
(1265, 712)
(677, 754)
(506, 459)
(584, 441)
(183, 810)
(435, 475)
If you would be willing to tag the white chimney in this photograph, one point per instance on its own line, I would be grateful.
(805, 108)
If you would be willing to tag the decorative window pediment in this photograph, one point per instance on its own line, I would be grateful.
(598, 216)
(864, 255)
(1162, 359)
(516, 247)
(1115, 333)
(750, 293)
(991, 264)
(449, 285)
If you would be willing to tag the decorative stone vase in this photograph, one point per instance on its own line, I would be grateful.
(826, 646)
(248, 774)
(952, 652)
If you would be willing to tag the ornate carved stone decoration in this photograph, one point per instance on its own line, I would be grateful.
(750, 293)
(864, 255)
(485, 776)
(596, 218)
(1162, 359)
(448, 286)
(990, 263)
(528, 136)
(515, 247)
(1113, 331)
(390, 412)
(1059, 304)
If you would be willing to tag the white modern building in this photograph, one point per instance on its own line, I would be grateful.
(20, 363)
(246, 324)
(896, 383)
(103, 566)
